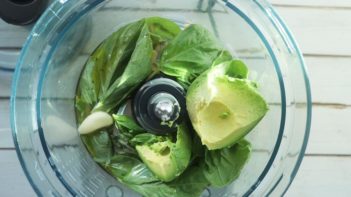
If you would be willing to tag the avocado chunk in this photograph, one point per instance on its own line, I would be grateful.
(223, 105)
(167, 159)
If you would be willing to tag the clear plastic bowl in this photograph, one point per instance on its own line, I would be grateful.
(43, 115)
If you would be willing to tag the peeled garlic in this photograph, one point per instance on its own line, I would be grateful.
(95, 121)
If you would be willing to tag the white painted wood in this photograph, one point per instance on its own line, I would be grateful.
(5, 83)
(330, 79)
(12, 36)
(6, 138)
(322, 177)
(4, 113)
(13, 181)
(5, 131)
(319, 31)
(8, 58)
(330, 132)
(321, 3)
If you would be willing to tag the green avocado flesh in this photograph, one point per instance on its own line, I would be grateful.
(222, 108)
(167, 160)
(159, 163)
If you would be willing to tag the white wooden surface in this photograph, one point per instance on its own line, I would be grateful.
(323, 30)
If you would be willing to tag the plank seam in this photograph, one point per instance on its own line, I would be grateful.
(321, 7)
(7, 148)
(327, 155)
(4, 48)
(325, 55)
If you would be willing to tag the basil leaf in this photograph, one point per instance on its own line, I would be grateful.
(156, 189)
(236, 69)
(134, 174)
(197, 149)
(224, 166)
(189, 54)
(127, 129)
(162, 30)
(137, 70)
(224, 56)
(127, 124)
(99, 146)
(113, 62)
(146, 139)
(105, 65)
(130, 170)
(191, 183)
(181, 151)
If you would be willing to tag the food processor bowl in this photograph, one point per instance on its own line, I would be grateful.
(44, 125)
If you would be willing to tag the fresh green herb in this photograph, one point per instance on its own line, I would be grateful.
(224, 56)
(134, 174)
(99, 146)
(224, 165)
(189, 54)
(236, 69)
(162, 30)
(130, 170)
(147, 139)
(191, 183)
(126, 130)
(127, 125)
(136, 71)
(104, 66)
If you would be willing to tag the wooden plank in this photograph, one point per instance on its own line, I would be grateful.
(322, 177)
(6, 138)
(330, 132)
(5, 113)
(319, 3)
(319, 31)
(5, 130)
(13, 181)
(330, 79)
(5, 83)
(8, 59)
(12, 36)
(308, 25)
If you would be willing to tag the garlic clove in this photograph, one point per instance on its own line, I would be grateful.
(95, 121)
